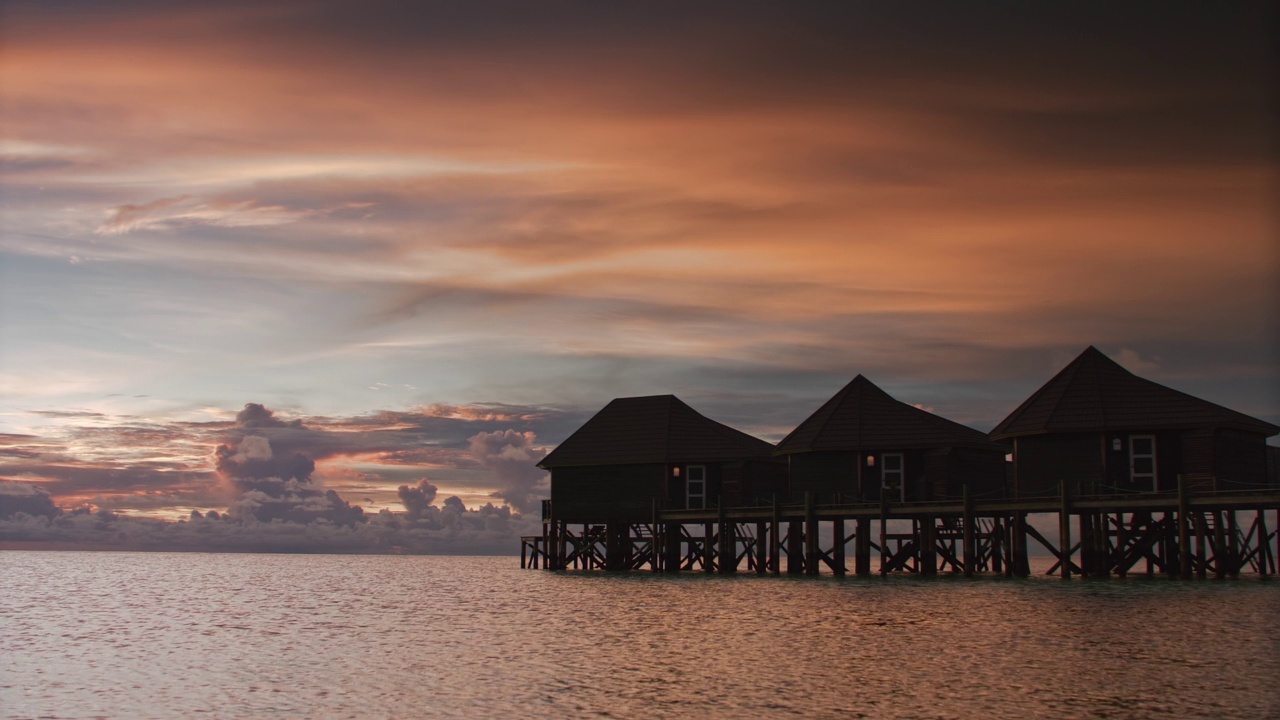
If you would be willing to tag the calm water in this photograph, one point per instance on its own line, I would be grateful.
(177, 635)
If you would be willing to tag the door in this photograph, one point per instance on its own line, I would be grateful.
(892, 475)
(695, 487)
(1142, 462)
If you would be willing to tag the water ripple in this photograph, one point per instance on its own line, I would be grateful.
(229, 636)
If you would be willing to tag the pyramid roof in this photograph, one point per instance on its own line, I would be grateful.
(1094, 393)
(653, 429)
(862, 416)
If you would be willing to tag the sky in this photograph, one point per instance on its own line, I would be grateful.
(319, 267)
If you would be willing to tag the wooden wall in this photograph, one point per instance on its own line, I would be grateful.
(597, 494)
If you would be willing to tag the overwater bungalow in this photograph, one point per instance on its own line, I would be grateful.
(1097, 428)
(863, 444)
(639, 453)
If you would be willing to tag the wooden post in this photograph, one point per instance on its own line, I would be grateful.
(970, 551)
(1219, 547)
(671, 550)
(612, 547)
(884, 535)
(1104, 544)
(928, 547)
(1085, 522)
(1202, 556)
(795, 547)
(762, 547)
(1184, 537)
(1122, 542)
(997, 552)
(708, 547)
(1264, 545)
(555, 554)
(728, 545)
(655, 549)
(1022, 566)
(810, 537)
(1064, 533)
(837, 548)
(862, 547)
(1233, 545)
(775, 539)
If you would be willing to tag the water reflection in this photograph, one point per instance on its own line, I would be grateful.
(129, 635)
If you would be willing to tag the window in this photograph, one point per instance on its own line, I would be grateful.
(891, 476)
(1142, 462)
(696, 487)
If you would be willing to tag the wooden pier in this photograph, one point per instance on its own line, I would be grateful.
(1178, 534)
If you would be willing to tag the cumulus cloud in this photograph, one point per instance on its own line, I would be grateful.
(26, 498)
(453, 529)
(260, 489)
(416, 500)
(270, 486)
(256, 415)
(512, 458)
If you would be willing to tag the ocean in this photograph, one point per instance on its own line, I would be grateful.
(171, 635)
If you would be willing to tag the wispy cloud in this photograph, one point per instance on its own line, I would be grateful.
(167, 213)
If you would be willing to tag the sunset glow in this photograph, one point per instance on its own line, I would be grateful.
(427, 242)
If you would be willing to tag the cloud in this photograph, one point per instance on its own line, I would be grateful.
(454, 529)
(512, 458)
(273, 503)
(1136, 363)
(17, 497)
(168, 213)
(416, 500)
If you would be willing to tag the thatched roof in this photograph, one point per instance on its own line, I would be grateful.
(863, 417)
(1095, 394)
(654, 429)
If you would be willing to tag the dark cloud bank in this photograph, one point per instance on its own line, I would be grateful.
(274, 504)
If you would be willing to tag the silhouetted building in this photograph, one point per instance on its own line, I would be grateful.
(862, 443)
(1100, 429)
(644, 449)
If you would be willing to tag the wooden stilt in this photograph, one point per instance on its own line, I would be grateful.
(795, 547)
(728, 546)
(1085, 522)
(1233, 545)
(1184, 536)
(862, 547)
(884, 536)
(1118, 556)
(928, 548)
(775, 539)
(708, 547)
(671, 550)
(1064, 533)
(1264, 546)
(970, 550)
(810, 537)
(1219, 546)
(1102, 555)
(762, 547)
(837, 546)
(997, 543)
(1202, 553)
(612, 547)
